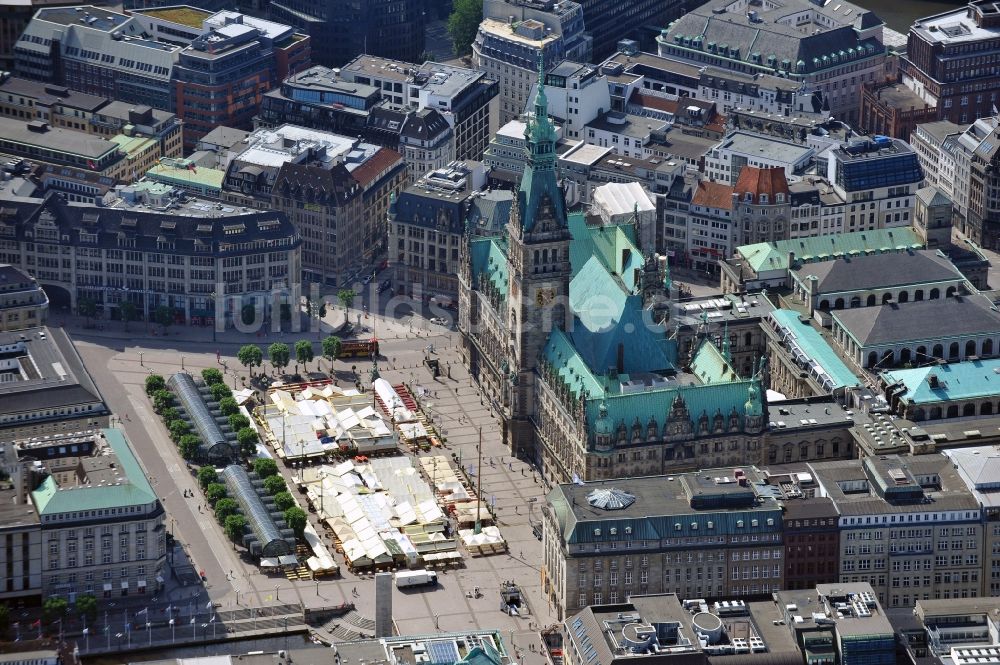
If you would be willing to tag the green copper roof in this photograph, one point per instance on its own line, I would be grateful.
(134, 490)
(710, 366)
(490, 261)
(539, 185)
(614, 244)
(816, 349)
(971, 379)
(571, 367)
(765, 256)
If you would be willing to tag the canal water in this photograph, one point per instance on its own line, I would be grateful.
(900, 14)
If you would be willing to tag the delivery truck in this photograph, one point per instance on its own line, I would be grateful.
(408, 578)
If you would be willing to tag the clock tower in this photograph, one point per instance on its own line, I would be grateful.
(538, 269)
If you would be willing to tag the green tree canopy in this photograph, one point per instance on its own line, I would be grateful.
(303, 351)
(283, 500)
(250, 356)
(346, 297)
(162, 399)
(466, 15)
(128, 312)
(235, 526)
(206, 476)
(265, 467)
(164, 316)
(224, 508)
(170, 414)
(86, 307)
(331, 347)
(211, 376)
(155, 382)
(279, 355)
(228, 406)
(220, 391)
(86, 606)
(214, 492)
(178, 428)
(275, 484)
(248, 440)
(189, 446)
(296, 520)
(54, 608)
(238, 421)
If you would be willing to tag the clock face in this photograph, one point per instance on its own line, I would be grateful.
(544, 296)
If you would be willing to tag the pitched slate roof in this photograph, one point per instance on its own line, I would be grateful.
(489, 260)
(713, 195)
(943, 319)
(859, 273)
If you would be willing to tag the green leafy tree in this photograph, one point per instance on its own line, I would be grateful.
(279, 355)
(275, 484)
(331, 349)
(189, 446)
(228, 406)
(214, 492)
(206, 476)
(164, 316)
(128, 312)
(235, 526)
(283, 501)
(296, 520)
(224, 508)
(238, 421)
(303, 352)
(162, 399)
(346, 298)
(170, 414)
(265, 467)
(86, 606)
(220, 391)
(248, 440)
(178, 428)
(87, 308)
(463, 24)
(54, 608)
(155, 382)
(212, 376)
(250, 356)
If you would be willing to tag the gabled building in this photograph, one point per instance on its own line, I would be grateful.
(587, 393)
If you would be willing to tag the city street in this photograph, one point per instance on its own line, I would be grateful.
(119, 365)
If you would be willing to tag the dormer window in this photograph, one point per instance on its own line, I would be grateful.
(748, 197)
(763, 198)
(780, 198)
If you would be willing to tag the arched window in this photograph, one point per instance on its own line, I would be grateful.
(953, 350)
(987, 347)
(886, 298)
(918, 414)
(921, 354)
(839, 303)
(950, 292)
(871, 300)
(953, 411)
(986, 409)
(872, 359)
(904, 296)
(938, 352)
(824, 305)
(969, 410)
(934, 294)
(905, 355)
(918, 294)
(970, 348)
(856, 302)
(935, 413)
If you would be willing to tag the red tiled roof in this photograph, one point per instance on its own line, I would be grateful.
(755, 180)
(713, 195)
(377, 164)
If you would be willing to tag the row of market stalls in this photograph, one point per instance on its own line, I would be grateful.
(318, 421)
(381, 513)
(415, 430)
(461, 503)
